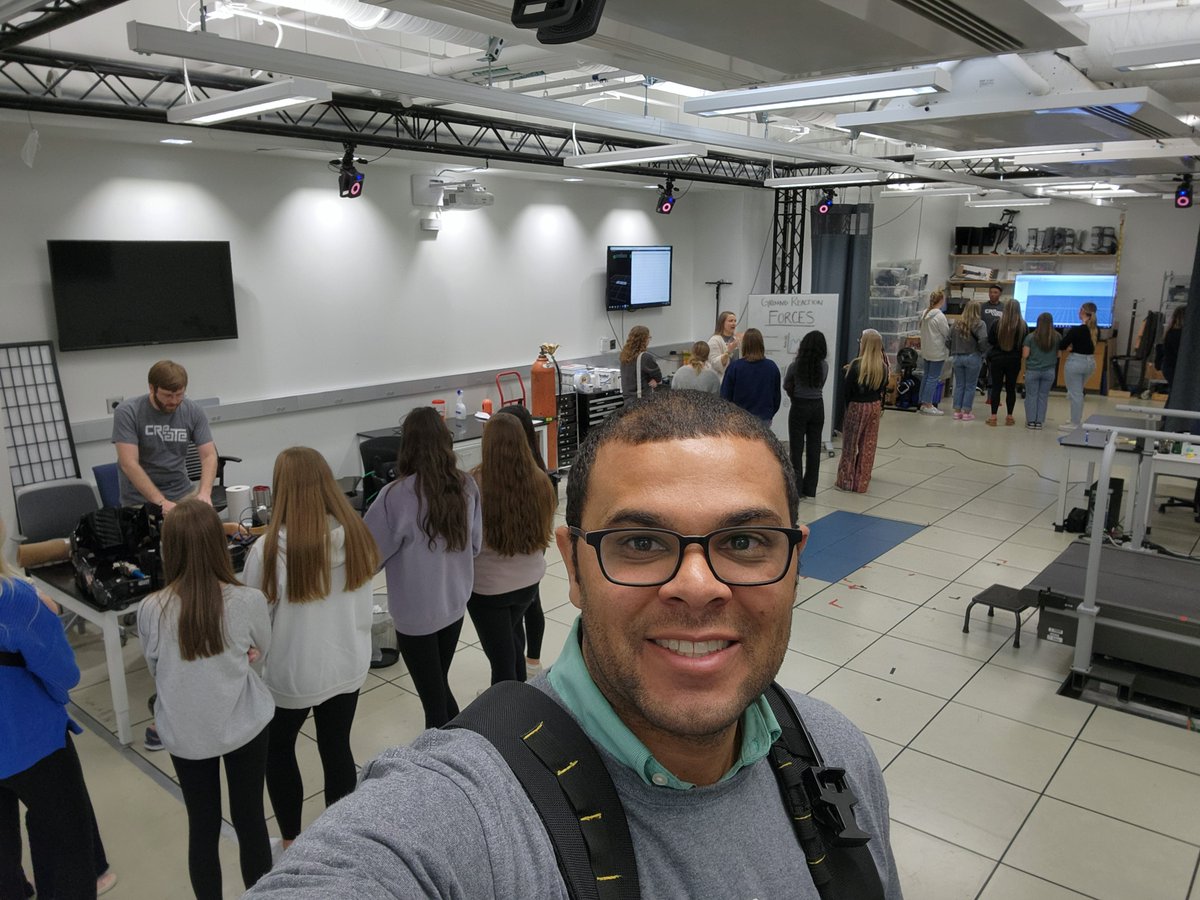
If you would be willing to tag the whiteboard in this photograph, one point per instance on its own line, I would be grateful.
(784, 320)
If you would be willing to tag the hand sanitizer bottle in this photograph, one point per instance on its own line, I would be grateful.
(460, 406)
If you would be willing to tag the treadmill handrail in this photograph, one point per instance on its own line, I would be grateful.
(1127, 431)
(1159, 412)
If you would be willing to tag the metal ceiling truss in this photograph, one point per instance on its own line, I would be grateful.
(49, 16)
(43, 81)
(787, 260)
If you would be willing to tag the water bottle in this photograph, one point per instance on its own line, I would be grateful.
(460, 406)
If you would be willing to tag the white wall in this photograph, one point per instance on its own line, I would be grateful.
(334, 293)
(916, 228)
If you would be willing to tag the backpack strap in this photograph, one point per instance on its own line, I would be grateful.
(821, 805)
(567, 783)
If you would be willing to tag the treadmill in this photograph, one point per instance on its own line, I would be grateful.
(1147, 632)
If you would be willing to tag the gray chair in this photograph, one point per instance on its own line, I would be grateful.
(192, 462)
(52, 509)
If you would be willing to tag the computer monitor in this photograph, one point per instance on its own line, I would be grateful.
(638, 278)
(1062, 295)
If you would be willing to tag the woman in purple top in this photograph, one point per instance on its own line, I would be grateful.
(429, 529)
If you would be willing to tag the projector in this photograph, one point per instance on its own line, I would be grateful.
(467, 195)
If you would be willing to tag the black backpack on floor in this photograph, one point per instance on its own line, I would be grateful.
(569, 786)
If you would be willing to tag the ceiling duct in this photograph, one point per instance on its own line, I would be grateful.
(966, 24)
(994, 105)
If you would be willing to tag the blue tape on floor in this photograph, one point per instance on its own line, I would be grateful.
(843, 542)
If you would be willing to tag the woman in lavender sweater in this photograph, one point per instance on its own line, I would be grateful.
(429, 529)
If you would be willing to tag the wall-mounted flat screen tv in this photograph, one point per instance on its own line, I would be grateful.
(638, 278)
(134, 293)
(1062, 295)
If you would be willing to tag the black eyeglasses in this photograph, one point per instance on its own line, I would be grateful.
(647, 557)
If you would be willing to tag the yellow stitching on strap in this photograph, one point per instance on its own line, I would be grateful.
(535, 731)
(803, 818)
(592, 818)
(608, 877)
(572, 764)
(785, 765)
(816, 862)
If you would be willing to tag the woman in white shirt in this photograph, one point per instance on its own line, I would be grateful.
(315, 565)
(725, 344)
(935, 347)
(199, 635)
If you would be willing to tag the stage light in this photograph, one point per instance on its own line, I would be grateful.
(826, 204)
(666, 197)
(350, 180)
(1183, 193)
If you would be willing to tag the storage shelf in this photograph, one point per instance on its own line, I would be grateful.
(1034, 255)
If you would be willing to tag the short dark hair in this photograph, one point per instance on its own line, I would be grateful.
(673, 416)
(995, 287)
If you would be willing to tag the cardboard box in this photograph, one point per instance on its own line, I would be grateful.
(976, 273)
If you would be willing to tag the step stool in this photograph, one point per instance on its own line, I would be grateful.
(1003, 597)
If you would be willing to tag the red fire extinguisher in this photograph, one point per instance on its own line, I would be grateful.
(544, 399)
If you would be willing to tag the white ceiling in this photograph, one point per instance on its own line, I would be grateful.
(1047, 93)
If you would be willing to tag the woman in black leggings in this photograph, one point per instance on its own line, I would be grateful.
(518, 503)
(315, 565)
(200, 635)
(1006, 337)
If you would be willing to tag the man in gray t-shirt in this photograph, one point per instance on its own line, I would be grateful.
(152, 433)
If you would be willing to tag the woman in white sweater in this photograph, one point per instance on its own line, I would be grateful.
(200, 635)
(518, 502)
(725, 344)
(935, 347)
(315, 565)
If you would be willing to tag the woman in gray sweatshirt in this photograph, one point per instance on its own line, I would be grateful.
(200, 635)
(968, 344)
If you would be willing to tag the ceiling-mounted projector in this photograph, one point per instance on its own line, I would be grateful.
(467, 195)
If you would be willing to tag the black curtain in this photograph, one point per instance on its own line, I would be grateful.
(841, 253)
(1185, 388)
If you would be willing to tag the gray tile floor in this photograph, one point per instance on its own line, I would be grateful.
(1000, 789)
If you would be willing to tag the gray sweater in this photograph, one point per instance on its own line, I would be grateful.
(975, 342)
(208, 707)
(445, 818)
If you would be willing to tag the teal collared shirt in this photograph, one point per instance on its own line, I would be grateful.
(571, 680)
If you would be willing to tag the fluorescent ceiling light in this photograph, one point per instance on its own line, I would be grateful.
(1157, 56)
(1015, 201)
(825, 180)
(875, 86)
(572, 179)
(1116, 150)
(957, 190)
(180, 141)
(999, 152)
(634, 156)
(252, 101)
(679, 90)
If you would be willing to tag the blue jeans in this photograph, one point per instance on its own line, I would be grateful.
(1037, 393)
(966, 368)
(1076, 371)
(933, 374)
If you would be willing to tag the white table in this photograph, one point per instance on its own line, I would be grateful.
(57, 582)
(1082, 446)
(1153, 466)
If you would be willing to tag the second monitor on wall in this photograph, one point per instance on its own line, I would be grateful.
(638, 277)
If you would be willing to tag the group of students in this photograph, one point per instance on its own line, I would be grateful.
(735, 365)
(239, 663)
(995, 335)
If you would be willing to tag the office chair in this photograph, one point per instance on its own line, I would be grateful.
(108, 482)
(51, 510)
(192, 463)
(379, 465)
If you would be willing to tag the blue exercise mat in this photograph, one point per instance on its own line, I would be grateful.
(843, 542)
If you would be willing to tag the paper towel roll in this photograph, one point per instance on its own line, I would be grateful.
(237, 502)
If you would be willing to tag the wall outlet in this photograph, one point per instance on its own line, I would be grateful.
(612, 343)
(111, 404)
(604, 344)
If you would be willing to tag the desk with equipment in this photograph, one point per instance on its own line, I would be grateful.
(1135, 624)
(1081, 446)
(1174, 463)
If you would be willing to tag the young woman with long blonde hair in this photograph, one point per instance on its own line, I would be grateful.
(968, 344)
(200, 635)
(697, 375)
(935, 340)
(518, 502)
(725, 344)
(865, 383)
(315, 565)
(1080, 342)
(428, 529)
(1006, 338)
